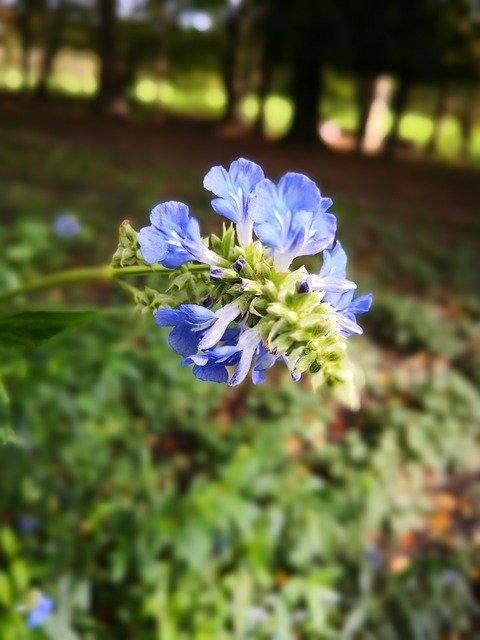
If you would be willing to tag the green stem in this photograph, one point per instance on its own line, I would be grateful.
(105, 273)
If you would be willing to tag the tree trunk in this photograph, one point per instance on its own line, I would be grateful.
(399, 104)
(109, 89)
(53, 41)
(229, 65)
(306, 95)
(365, 94)
(467, 117)
(304, 26)
(440, 112)
(265, 68)
(25, 31)
(235, 67)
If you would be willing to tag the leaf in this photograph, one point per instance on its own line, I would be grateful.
(6, 432)
(32, 328)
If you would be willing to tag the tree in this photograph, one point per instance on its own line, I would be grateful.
(107, 43)
(55, 20)
(229, 65)
(303, 30)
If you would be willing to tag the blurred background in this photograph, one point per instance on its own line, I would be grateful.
(151, 506)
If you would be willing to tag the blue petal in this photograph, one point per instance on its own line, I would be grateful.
(218, 182)
(294, 192)
(263, 201)
(258, 376)
(168, 317)
(192, 230)
(348, 326)
(231, 336)
(265, 361)
(153, 246)
(246, 174)
(322, 233)
(184, 340)
(174, 257)
(247, 344)
(343, 301)
(166, 239)
(227, 208)
(269, 234)
(199, 358)
(211, 373)
(361, 304)
(334, 262)
(233, 187)
(299, 193)
(196, 314)
(227, 355)
(325, 203)
(168, 214)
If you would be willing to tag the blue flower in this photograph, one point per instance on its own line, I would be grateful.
(265, 360)
(349, 308)
(248, 343)
(291, 218)
(233, 188)
(195, 327)
(373, 557)
(450, 577)
(212, 365)
(42, 609)
(173, 238)
(27, 524)
(332, 277)
(67, 225)
(334, 271)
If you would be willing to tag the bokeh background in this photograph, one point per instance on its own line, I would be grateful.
(151, 506)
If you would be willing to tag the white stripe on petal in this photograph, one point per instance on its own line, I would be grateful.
(224, 316)
(248, 342)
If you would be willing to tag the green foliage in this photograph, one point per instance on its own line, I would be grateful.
(170, 509)
(32, 328)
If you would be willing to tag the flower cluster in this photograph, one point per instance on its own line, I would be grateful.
(41, 608)
(248, 308)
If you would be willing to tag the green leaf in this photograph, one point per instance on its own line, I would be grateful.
(32, 328)
(6, 432)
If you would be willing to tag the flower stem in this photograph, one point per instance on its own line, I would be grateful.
(104, 273)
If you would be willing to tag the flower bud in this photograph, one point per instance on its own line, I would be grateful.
(216, 274)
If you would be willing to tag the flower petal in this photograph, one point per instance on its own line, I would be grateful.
(168, 317)
(233, 188)
(153, 246)
(211, 372)
(184, 340)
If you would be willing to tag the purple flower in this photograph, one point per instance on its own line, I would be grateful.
(173, 238)
(233, 188)
(291, 218)
(196, 327)
(42, 609)
(67, 225)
